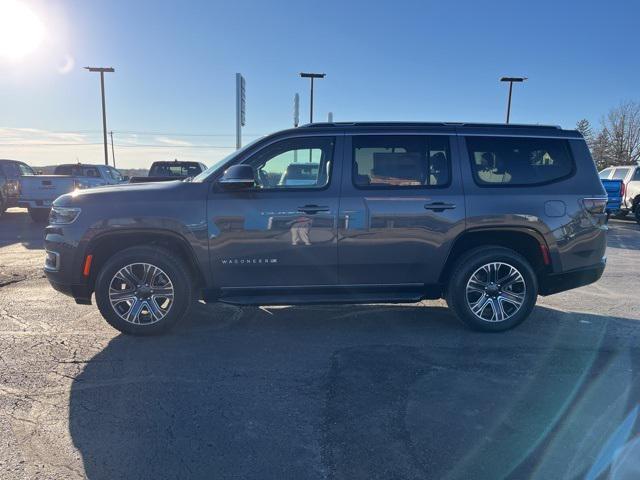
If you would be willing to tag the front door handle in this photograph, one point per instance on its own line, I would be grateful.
(439, 206)
(313, 209)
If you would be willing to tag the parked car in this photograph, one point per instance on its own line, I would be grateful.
(37, 193)
(630, 176)
(486, 216)
(10, 173)
(167, 171)
(615, 193)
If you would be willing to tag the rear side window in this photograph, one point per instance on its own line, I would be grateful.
(604, 174)
(25, 169)
(401, 161)
(620, 173)
(636, 175)
(513, 161)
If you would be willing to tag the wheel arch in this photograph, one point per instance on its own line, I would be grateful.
(102, 247)
(526, 241)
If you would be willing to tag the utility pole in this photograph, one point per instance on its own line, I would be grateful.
(240, 108)
(312, 76)
(113, 153)
(102, 71)
(511, 80)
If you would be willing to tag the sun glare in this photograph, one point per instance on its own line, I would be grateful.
(21, 31)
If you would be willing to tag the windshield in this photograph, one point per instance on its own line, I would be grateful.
(212, 169)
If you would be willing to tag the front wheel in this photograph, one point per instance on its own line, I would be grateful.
(492, 289)
(144, 290)
(39, 215)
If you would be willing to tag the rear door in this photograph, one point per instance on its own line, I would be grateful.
(402, 205)
(279, 234)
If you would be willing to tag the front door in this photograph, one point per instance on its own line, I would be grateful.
(402, 205)
(283, 232)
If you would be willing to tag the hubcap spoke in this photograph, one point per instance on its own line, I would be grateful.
(502, 292)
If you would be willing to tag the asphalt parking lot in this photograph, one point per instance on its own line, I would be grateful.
(337, 392)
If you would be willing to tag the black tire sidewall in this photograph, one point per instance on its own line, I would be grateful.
(469, 263)
(163, 259)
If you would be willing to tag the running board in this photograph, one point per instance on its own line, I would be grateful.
(350, 294)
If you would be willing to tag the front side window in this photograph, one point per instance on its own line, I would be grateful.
(636, 175)
(514, 161)
(620, 173)
(401, 161)
(294, 163)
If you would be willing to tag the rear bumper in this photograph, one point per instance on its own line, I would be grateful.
(560, 282)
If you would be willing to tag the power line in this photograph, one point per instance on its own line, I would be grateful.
(79, 144)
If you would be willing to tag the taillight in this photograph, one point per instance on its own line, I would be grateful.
(623, 189)
(594, 206)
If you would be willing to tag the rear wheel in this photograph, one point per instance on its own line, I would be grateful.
(39, 215)
(3, 205)
(636, 213)
(492, 289)
(144, 290)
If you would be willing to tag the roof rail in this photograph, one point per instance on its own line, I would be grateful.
(426, 124)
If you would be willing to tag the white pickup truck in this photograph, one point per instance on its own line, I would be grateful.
(630, 176)
(37, 192)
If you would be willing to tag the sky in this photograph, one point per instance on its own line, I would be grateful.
(172, 94)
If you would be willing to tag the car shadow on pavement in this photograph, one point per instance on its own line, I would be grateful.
(350, 392)
(17, 227)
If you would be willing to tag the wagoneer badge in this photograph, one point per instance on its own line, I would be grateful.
(249, 261)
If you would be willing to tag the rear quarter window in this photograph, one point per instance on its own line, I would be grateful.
(519, 161)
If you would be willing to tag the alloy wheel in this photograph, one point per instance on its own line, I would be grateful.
(141, 293)
(495, 292)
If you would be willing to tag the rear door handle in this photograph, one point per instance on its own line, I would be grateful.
(439, 206)
(313, 209)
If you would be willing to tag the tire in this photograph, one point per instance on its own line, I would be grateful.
(636, 213)
(39, 215)
(462, 293)
(117, 305)
(620, 214)
(3, 205)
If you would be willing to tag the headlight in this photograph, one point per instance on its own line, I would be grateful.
(63, 215)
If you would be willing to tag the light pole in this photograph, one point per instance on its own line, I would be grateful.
(102, 71)
(511, 80)
(312, 76)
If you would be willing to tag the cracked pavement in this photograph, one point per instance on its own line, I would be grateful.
(335, 392)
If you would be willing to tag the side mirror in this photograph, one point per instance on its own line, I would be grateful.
(238, 177)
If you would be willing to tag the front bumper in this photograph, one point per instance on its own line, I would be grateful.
(560, 282)
(80, 293)
(63, 264)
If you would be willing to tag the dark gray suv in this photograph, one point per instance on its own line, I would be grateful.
(486, 216)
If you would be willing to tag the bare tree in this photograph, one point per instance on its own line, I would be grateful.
(622, 127)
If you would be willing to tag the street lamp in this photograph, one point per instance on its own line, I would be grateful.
(102, 71)
(312, 76)
(511, 80)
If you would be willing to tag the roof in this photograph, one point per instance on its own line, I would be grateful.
(452, 128)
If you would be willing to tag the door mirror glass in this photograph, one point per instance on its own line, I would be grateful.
(238, 177)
